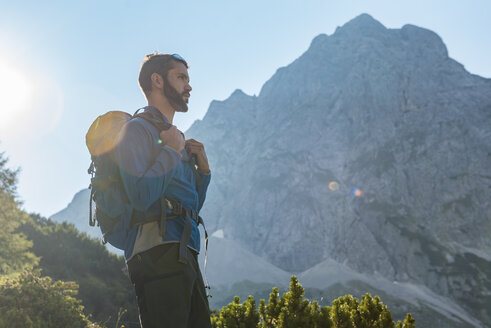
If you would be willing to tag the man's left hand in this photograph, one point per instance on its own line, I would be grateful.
(194, 147)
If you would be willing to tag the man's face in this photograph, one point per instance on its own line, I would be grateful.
(176, 87)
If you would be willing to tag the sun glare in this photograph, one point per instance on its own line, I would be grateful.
(15, 93)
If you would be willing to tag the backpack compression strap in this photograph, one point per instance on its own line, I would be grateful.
(189, 214)
(91, 171)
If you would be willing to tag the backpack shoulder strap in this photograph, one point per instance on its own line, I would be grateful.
(161, 125)
(153, 119)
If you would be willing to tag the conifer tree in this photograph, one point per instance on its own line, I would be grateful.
(295, 312)
(14, 247)
(409, 322)
(26, 298)
(8, 177)
(342, 310)
(271, 312)
(372, 313)
(324, 319)
(69, 255)
(236, 315)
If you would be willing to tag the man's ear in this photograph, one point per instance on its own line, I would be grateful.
(157, 80)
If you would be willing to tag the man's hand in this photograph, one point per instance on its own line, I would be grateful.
(194, 147)
(173, 138)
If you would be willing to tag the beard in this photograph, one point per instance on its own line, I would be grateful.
(175, 98)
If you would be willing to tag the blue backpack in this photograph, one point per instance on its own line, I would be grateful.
(113, 212)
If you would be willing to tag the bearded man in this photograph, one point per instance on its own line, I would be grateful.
(160, 179)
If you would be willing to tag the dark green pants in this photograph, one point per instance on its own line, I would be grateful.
(170, 294)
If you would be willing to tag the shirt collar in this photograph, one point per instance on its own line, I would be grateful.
(155, 111)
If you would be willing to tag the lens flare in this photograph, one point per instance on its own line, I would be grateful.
(27, 112)
(355, 192)
(104, 133)
(15, 94)
(333, 185)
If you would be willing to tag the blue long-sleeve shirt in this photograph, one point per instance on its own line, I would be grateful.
(150, 170)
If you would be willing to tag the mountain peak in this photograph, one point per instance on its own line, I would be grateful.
(238, 93)
(363, 24)
(237, 97)
(363, 19)
(425, 39)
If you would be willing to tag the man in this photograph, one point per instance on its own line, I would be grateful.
(156, 166)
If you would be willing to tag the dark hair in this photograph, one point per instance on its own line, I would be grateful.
(156, 63)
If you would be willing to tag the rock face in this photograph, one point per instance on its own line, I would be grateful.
(402, 129)
(77, 213)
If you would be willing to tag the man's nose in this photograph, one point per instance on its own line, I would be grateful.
(188, 87)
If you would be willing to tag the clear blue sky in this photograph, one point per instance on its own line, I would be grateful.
(81, 59)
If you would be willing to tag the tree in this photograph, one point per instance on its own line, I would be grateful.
(31, 301)
(67, 254)
(14, 247)
(342, 311)
(347, 311)
(296, 311)
(270, 313)
(8, 177)
(409, 322)
(236, 315)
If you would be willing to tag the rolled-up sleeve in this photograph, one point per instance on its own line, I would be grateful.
(145, 178)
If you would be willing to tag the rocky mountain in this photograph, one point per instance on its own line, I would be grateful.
(77, 213)
(372, 149)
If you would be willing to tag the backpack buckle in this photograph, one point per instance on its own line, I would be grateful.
(91, 169)
(169, 204)
(175, 207)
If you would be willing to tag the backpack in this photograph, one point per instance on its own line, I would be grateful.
(113, 212)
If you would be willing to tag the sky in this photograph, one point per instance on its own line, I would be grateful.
(63, 63)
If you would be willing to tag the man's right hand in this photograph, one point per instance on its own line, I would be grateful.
(173, 138)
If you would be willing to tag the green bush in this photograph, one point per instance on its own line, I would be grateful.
(32, 301)
(292, 311)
